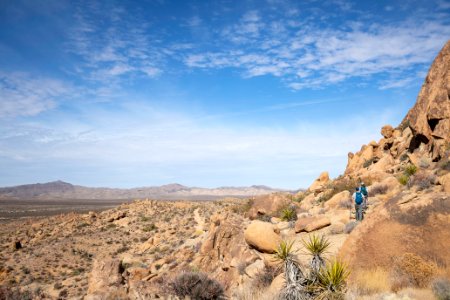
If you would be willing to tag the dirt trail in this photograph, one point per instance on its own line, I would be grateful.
(200, 221)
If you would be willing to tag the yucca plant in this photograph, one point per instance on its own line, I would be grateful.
(316, 246)
(294, 288)
(288, 214)
(332, 280)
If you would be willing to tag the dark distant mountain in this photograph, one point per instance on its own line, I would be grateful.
(63, 190)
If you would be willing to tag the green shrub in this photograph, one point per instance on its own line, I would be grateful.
(333, 277)
(196, 286)
(410, 170)
(403, 179)
(288, 214)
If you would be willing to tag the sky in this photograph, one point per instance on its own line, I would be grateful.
(205, 93)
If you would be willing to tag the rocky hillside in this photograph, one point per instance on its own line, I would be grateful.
(63, 190)
(162, 249)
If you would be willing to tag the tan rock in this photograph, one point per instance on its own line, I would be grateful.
(311, 224)
(105, 276)
(318, 224)
(277, 284)
(320, 182)
(387, 131)
(337, 199)
(430, 116)
(445, 182)
(254, 268)
(308, 202)
(262, 236)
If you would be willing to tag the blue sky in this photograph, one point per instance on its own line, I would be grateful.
(205, 93)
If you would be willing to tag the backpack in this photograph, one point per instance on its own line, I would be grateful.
(364, 190)
(358, 198)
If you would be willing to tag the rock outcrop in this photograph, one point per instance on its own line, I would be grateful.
(429, 119)
(262, 236)
(424, 134)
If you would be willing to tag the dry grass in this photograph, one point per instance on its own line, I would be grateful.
(372, 281)
(412, 270)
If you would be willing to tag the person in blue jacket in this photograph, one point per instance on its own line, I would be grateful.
(358, 198)
(365, 194)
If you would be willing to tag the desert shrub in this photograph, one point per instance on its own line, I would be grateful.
(379, 189)
(264, 218)
(367, 163)
(413, 270)
(150, 227)
(196, 286)
(441, 288)
(339, 185)
(350, 226)
(316, 247)
(332, 279)
(288, 214)
(403, 179)
(242, 208)
(370, 282)
(265, 277)
(423, 180)
(299, 197)
(410, 170)
(12, 293)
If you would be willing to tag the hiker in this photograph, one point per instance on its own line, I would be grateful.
(358, 198)
(365, 194)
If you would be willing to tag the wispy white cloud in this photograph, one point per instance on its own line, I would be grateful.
(314, 57)
(116, 46)
(142, 137)
(22, 94)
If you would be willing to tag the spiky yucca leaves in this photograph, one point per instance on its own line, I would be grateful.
(332, 280)
(289, 214)
(294, 288)
(316, 246)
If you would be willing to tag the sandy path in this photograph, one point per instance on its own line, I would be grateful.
(200, 221)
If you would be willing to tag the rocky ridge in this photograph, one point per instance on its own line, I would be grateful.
(136, 250)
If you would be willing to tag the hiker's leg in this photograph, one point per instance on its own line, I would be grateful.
(358, 212)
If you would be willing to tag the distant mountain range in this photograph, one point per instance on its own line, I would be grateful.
(62, 190)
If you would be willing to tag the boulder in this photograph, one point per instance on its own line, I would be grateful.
(429, 118)
(320, 182)
(262, 236)
(387, 131)
(445, 182)
(337, 199)
(254, 268)
(105, 277)
(311, 224)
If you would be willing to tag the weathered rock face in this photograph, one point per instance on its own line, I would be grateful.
(225, 249)
(105, 279)
(262, 236)
(320, 182)
(429, 119)
(267, 204)
(311, 224)
(423, 134)
(387, 131)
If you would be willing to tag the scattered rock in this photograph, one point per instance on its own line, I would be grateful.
(262, 236)
(311, 224)
(320, 182)
(387, 131)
